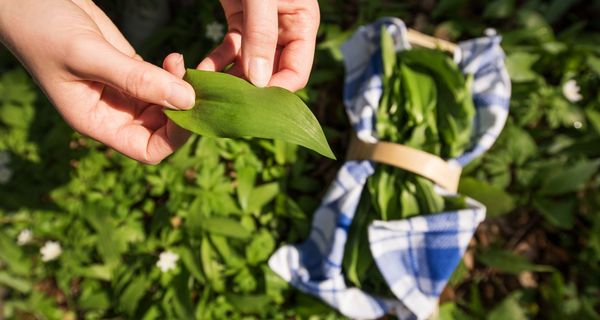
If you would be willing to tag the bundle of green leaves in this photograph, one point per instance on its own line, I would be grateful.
(426, 104)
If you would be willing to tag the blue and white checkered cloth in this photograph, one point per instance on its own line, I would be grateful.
(416, 256)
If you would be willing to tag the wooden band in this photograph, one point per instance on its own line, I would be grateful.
(419, 39)
(432, 167)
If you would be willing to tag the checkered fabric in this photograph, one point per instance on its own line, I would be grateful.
(416, 256)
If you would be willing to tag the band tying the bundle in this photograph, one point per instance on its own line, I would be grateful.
(430, 166)
(419, 39)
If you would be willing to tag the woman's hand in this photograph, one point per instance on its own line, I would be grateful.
(94, 77)
(269, 42)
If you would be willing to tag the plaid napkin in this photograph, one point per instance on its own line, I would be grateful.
(415, 256)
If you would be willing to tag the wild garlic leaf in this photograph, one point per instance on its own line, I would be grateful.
(230, 107)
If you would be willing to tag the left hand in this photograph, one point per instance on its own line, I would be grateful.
(94, 78)
(269, 42)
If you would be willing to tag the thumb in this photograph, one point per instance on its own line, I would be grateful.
(259, 40)
(97, 60)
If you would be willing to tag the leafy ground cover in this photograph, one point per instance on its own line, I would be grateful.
(86, 233)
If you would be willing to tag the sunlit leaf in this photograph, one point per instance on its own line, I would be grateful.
(509, 262)
(569, 179)
(509, 308)
(560, 213)
(229, 107)
(496, 200)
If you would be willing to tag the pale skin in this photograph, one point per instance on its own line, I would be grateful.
(104, 90)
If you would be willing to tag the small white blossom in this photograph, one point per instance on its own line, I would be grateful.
(571, 91)
(215, 31)
(167, 261)
(4, 158)
(5, 174)
(24, 237)
(577, 124)
(490, 32)
(50, 251)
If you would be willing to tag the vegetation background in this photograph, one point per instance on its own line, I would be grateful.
(224, 206)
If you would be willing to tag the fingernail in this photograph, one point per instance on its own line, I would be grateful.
(259, 72)
(180, 96)
(179, 59)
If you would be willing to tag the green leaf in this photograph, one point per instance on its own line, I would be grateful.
(519, 65)
(593, 116)
(262, 195)
(97, 271)
(16, 115)
(93, 296)
(388, 52)
(496, 200)
(509, 308)
(230, 107)
(246, 177)
(450, 311)
(250, 303)
(569, 179)
(192, 263)
(212, 268)
(509, 262)
(594, 64)
(245, 281)
(561, 213)
(228, 254)
(224, 226)
(182, 298)
(13, 282)
(275, 285)
(260, 248)
(133, 294)
(499, 9)
(12, 256)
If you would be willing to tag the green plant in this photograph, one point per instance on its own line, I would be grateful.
(536, 255)
(230, 107)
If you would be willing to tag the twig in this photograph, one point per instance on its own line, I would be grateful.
(522, 232)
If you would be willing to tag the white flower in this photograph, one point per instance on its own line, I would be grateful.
(50, 251)
(4, 158)
(215, 31)
(5, 174)
(490, 32)
(571, 91)
(167, 261)
(24, 237)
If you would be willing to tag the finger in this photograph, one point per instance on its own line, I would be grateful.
(96, 60)
(146, 145)
(295, 63)
(164, 142)
(259, 40)
(223, 55)
(175, 64)
(177, 136)
(237, 70)
(110, 32)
